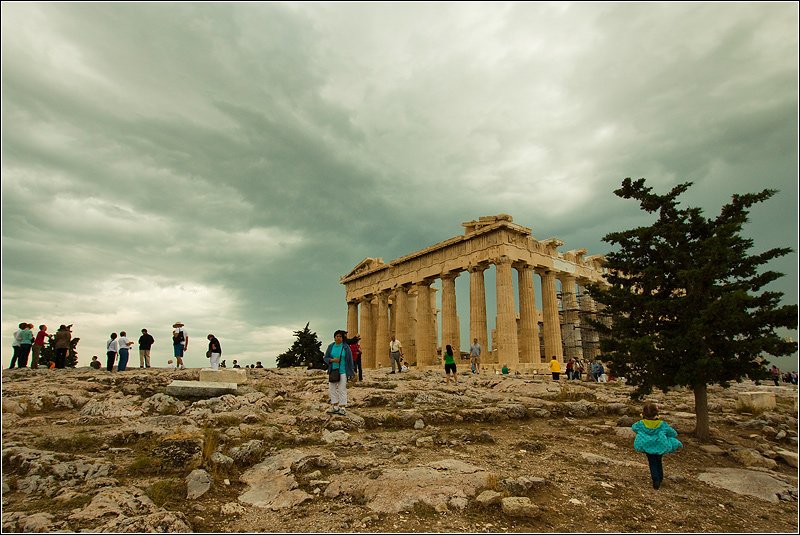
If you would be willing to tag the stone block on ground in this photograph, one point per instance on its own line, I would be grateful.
(757, 401)
(223, 375)
(203, 389)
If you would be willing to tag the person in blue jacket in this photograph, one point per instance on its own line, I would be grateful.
(338, 356)
(654, 438)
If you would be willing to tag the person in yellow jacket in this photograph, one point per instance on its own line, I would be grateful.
(555, 368)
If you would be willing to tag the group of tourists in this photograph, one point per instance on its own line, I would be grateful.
(119, 346)
(26, 342)
(788, 377)
(576, 368)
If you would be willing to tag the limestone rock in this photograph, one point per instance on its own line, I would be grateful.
(250, 452)
(198, 482)
(789, 457)
(336, 436)
(749, 482)
(163, 404)
(519, 506)
(751, 458)
(488, 497)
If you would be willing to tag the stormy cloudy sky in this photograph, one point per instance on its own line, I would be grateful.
(224, 164)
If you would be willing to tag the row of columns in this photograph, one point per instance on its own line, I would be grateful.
(512, 348)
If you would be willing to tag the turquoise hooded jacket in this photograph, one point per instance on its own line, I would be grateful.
(655, 437)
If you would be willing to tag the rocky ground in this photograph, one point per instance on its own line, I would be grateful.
(87, 450)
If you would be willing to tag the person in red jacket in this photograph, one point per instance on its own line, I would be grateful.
(355, 349)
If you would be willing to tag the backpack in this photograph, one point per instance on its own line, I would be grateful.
(177, 338)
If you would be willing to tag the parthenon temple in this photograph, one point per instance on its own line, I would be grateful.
(398, 299)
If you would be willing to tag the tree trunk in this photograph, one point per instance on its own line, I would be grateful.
(701, 430)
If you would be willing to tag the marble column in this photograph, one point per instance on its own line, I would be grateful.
(478, 327)
(528, 324)
(382, 329)
(352, 319)
(367, 334)
(571, 336)
(507, 343)
(449, 314)
(551, 323)
(402, 326)
(588, 333)
(426, 343)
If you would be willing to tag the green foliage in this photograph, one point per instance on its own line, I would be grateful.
(304, 351)
(48, 354)
(685, 299)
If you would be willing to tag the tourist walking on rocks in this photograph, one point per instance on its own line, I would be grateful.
(654, 438)
(355, 350)
(555, 368)
(214, 351)
(395, 353)
(146, 342)
(180, 342)
(124, 351)
(38, 345)
(61, 342)
(475, 356)
(339, 360)
(450, 364)
(112, 347)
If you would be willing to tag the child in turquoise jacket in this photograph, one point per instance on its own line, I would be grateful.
(654, 438)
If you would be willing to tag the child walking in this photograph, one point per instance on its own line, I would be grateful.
(654, 438)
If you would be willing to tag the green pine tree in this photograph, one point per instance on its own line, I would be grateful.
(48, 354)
(685, 299)
(304, 351)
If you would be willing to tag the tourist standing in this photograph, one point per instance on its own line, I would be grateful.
(25, 346)
(555, 368)
(450, 364)
(395, 353)
(339, 360)
(595, 371)
(577, 369)
(15, 344)
(570, 367)
(355, 350)
(214, 351)
(146, 342)
(776, 374)
(124, 351)
(38, 345)
(655, 439)
(601, 373)
(61, 342)
(475, 356)
(180, 342)
(112, 347)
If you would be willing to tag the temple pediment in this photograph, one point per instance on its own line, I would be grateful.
(365, 266)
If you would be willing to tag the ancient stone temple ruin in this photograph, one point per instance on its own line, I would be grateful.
(398, 299)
